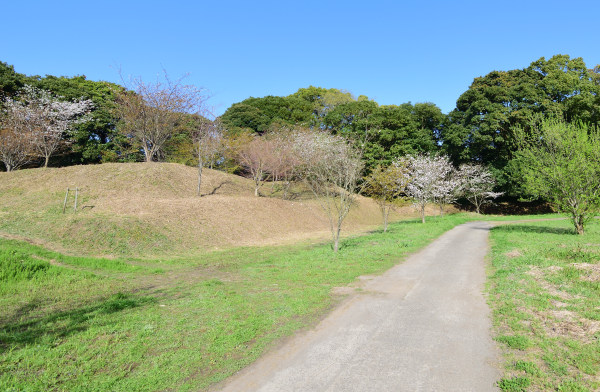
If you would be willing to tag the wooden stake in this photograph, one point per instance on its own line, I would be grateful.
(65, 203)
(76, 194)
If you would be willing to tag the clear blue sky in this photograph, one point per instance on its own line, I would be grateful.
(391, 51)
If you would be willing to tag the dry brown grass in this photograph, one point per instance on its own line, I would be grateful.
(162, 196)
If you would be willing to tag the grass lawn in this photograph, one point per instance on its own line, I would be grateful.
(544, 290)
(85, 324)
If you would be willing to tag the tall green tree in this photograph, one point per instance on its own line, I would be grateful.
(258, 114)
(480, 128)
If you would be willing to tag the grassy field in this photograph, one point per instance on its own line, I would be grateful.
(89, 324)
(544, 290)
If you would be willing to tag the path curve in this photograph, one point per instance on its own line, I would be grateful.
(422, 326)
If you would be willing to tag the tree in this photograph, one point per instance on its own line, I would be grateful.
(254, 157)
(283, 163)
(15, 144)
(332, 168)
(151, 112)
(387, 184)
(427, 173)
(208, 138)
(480, 128)
(447, 189)
(477, 184)
(44, 119)
(561, 162)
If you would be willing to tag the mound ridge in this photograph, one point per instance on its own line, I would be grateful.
(152, 208)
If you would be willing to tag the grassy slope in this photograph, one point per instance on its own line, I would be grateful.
(150, 209)
(83, 324)
(545, 295)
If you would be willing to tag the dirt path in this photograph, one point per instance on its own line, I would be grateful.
(422, 326)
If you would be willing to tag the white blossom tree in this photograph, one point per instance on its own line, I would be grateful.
(429, 174)
(42, 119)
(447, 189)
(477, 185)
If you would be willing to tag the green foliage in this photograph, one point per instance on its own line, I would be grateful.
(515, 384)
(258, 114)
(561, 162)
(517, 342)
(480, 126)
(10, 81)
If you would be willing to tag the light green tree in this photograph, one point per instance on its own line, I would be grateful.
(561, 162)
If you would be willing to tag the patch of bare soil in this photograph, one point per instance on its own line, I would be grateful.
(538, 274)
(560, 322)
(513, 254)
(592, 271)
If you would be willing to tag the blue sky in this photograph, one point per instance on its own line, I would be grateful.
(391, 51)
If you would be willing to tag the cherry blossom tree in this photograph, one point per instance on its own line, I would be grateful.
(448, 188)
(42, 120)
(477, 185)
(386, 184)
(429, 174)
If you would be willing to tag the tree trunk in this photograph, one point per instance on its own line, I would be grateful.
(336, 240)
(8, 167)
(256, 190)
(441, 210)
(423, 213)
(46, 160)
(386, 212)
(578, 221)
(200, 164)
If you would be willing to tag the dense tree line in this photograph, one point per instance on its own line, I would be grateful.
(479, 130)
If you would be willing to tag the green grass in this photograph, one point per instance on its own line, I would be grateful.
(545, 299)
(87, 324)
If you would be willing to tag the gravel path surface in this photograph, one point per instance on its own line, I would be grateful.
(422, 326)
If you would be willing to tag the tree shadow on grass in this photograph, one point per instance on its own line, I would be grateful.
(62, 324)
(534, 229)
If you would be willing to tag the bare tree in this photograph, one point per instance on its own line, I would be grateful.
(332, 169)
(151, 112)
(254, 157)
(283, 163)
(15, 145)
(208, 140)
(477, 185)
(387, 184)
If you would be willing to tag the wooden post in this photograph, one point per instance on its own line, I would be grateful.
(65, 202)
(76, 194)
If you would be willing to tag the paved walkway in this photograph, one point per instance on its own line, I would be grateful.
(422, 326)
